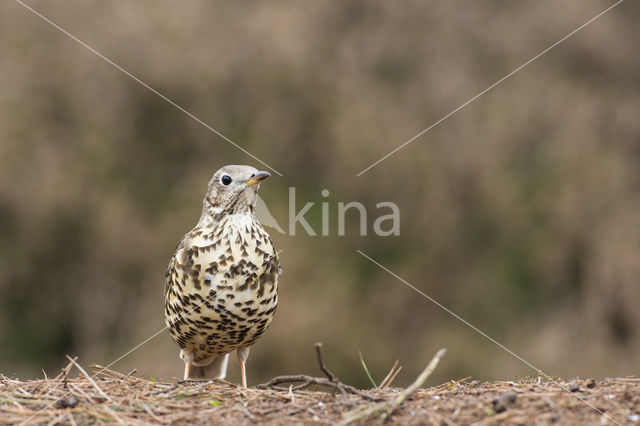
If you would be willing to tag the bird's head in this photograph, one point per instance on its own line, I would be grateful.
(233, 189)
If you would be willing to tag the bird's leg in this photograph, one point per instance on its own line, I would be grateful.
(243, 372)
(243, 354)
(187, 370)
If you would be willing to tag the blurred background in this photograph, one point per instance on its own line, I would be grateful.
(519, 213)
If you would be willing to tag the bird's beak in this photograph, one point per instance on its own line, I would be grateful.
(257, 178)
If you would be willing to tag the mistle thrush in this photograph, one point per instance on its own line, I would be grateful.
(221, 288)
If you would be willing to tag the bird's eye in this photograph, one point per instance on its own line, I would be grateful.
(226, 180)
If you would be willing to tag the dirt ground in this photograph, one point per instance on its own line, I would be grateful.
(116, 398)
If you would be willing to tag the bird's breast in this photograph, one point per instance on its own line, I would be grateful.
(225, 278)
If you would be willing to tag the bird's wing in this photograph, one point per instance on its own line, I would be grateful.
(171, 269)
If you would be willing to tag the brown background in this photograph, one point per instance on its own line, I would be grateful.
(519, 213)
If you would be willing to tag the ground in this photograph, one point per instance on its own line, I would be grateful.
(116, 398)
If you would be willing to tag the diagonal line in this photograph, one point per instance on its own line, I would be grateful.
(138, 346)
(490, 87)
(476, 329)
(453, 314)
(101, 56)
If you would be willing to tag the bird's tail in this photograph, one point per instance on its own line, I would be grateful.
(216, 370)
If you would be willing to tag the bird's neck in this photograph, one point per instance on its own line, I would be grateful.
(213, 216)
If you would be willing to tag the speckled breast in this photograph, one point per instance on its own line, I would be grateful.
(221, 290)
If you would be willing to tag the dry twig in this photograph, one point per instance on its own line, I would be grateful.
(324, 369)
(84, 373)
(391, 375)
(386, 408)
(305, 381)
(137, 400)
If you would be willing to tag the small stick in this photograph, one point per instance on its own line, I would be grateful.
(388, 376)
(57, 419)
(104, 371)
(95, 385)
(324, 369)
(419, 381)
(304, 380)
(213, 381)
(290, 394)
(302, 386)
(65, 373)
(78, 389)
(385, 409)
(393, 377)
(169, 389)
(308, 380)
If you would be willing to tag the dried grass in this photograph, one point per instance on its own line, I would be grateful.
(112, 397)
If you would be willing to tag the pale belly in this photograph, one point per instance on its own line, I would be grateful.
(222, 293)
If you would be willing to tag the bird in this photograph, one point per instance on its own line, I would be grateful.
(221, 286)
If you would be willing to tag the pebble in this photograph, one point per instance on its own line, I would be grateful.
(500, 403)
(574, 387)
(69, 402)
(634, 417)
